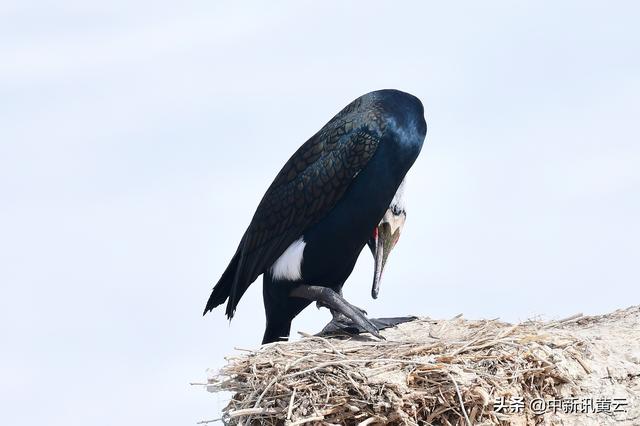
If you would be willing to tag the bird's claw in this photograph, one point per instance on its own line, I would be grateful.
(364, 323)
(333, 300)
(355, 323)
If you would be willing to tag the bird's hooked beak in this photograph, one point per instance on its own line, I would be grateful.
(384, 238)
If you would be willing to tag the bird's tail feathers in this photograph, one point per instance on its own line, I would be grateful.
(222, 290)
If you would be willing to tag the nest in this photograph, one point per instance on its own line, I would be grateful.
(448, 372)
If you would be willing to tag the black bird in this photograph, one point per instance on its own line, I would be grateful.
(341, 190)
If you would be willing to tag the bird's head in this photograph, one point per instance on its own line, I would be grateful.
(384, 238)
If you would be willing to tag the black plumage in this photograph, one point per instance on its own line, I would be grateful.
(319, 177)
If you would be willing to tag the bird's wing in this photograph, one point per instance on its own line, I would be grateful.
(306, 189)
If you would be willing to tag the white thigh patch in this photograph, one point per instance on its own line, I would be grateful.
(288, 266)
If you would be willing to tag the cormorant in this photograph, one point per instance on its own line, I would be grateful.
(341, 190)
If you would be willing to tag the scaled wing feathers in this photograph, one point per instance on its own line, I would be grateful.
(306, 189)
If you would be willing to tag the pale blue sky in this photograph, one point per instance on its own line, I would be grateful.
(137, 139)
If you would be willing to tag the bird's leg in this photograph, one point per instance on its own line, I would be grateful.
(337, 316)
(334, 301)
